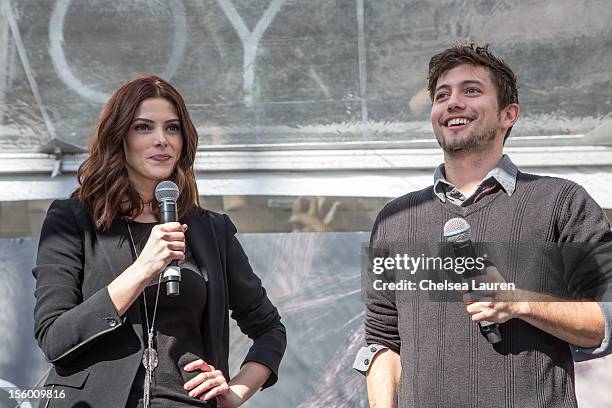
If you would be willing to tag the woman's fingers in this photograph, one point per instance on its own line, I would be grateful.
(170, 227)
(169, 236)
(176, 245)
(209, 379)
(175, 255)
(199, 379)
(198, 364)
(165, 244)
(209, 382)
(216, 391)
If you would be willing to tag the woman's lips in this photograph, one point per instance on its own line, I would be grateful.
(160, 157)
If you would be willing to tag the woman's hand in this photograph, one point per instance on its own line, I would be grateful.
(211, 382)
(166, 243)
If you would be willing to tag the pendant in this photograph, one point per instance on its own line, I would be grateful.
(150, 359)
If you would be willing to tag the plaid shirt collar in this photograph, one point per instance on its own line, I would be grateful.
(504, 175)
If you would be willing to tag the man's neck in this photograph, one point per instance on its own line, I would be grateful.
(466, 170)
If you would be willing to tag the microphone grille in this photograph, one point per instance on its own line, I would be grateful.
(166, 190)
(457, 230)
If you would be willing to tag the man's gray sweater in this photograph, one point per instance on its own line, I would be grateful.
(446, 362)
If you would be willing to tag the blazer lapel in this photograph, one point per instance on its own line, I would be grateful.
(116, 247)
(119, 254)
(203, 243)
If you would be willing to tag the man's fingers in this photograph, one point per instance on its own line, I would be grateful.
(479, 306)
(476, 317)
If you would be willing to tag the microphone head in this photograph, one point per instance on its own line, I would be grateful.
(457, 230)
(166, 190)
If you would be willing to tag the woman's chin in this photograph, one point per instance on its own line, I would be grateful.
(160, 173)
(155, 177)
(162, 176)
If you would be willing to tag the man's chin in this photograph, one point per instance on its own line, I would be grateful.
(456, 145)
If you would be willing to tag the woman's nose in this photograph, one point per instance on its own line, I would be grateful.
(161, 138)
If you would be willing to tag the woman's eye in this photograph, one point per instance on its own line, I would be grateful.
(174, 128)
(141, 127)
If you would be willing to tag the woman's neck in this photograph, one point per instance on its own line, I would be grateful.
(147, 215)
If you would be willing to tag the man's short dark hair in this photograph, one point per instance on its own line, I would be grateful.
(502, 76)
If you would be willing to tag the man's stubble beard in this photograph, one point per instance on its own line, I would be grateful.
(478, 140)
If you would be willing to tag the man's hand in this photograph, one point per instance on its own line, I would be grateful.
(578, 323)
(495, 306)
(495, 311)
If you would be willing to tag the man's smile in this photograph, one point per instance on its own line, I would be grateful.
(457, 122)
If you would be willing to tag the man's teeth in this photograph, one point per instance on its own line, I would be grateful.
(458, 121)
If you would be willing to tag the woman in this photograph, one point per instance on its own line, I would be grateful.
(98, 304)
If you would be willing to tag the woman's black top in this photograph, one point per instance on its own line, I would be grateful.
(178, 339)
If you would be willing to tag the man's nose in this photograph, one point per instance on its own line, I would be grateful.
(455, 102)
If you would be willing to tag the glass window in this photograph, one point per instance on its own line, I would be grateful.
(249, 213)
(322, 71)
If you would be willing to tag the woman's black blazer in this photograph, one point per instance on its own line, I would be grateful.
(94, 351)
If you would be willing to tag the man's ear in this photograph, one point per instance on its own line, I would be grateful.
(509, 115)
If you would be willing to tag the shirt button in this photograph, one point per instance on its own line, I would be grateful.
(366, 362)
(111, 322)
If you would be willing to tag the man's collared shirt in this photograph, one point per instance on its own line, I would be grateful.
(503, 175)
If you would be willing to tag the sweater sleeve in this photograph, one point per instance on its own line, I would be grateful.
(381, 318)
(585, 226)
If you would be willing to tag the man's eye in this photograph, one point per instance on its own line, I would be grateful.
(441, 95)
(472, 90)
(141, 127)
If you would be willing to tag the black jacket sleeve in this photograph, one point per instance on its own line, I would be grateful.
(64, 322)
(255, 314)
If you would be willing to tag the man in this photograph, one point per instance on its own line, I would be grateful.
(430, 354)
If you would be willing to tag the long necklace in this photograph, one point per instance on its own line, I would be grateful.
(149, 357)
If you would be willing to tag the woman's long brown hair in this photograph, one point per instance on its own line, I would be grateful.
(104, 188)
